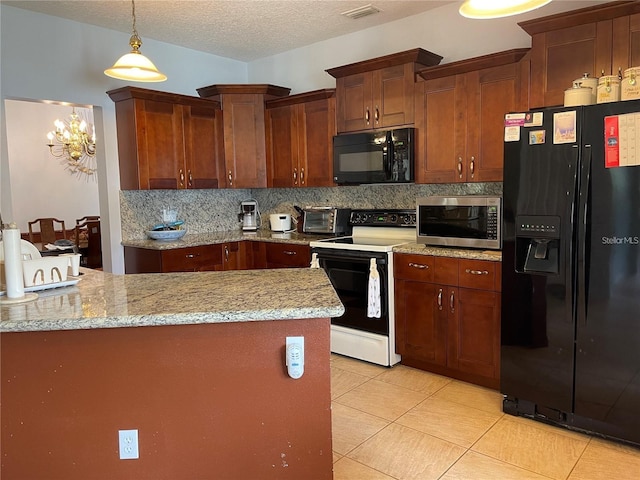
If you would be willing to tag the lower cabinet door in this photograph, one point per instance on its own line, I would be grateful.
(474, 336)
(421, 321)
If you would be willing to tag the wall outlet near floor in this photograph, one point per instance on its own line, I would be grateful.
(128, 444)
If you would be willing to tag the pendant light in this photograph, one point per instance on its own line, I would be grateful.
(133, 65)
(485, 9)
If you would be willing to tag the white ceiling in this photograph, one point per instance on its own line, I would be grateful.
(240, 29)
(244, 30)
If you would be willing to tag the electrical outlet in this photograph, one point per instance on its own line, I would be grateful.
(128, 444)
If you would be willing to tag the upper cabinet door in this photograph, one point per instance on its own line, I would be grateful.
(243, 113)
(590, 40)
(393, 96)
(378, 93)
(460, 110)
(160, 144)
(300, 131)
(201, 149)
(316, 128)
(354, 95)
(165, 140)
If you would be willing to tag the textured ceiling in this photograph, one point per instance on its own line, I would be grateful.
(240, 29)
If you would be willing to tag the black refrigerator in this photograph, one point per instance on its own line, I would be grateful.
(570, 332)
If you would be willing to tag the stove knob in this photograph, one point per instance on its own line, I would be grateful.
(394, 218)
(407, 219)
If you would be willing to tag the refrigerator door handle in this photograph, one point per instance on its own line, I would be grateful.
(583, 212)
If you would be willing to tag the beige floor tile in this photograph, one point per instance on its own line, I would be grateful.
(414, 379)
(336, 457)
(473, 395)
(381, 399)
(473, 466)
(342, 381)
(351, 427)
(604, 460)
(551, 428)
(536, 449)
(407, 454)
(347, 469)
(356, 366)
(453, 422)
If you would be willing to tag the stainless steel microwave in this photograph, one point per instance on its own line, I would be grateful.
(473, 221)
(374, 157)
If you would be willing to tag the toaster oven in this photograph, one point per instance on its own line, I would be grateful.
(323, 220)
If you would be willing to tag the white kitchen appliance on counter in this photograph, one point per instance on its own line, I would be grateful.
(280, 222)
(249, 215)
(362, 332)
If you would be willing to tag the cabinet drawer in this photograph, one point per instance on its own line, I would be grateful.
(414, 267)
(446, 271)
(287, 255)
(478, 274)
(192, 259)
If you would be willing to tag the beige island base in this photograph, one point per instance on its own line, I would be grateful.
(194, 361)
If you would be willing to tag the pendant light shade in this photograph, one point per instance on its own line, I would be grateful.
(134, 66)
(485, 9)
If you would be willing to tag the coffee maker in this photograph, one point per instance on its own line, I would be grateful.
(249, 215)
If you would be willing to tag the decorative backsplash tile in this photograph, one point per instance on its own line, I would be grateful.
(206, 211)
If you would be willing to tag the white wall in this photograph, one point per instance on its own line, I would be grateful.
(442, 31)
(36, 174)
(49, 58)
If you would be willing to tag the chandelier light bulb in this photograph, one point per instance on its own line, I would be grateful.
(487, 9)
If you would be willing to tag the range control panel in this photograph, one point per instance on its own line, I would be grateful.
(383, 218)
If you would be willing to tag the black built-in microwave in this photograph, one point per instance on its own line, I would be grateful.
(374, 157)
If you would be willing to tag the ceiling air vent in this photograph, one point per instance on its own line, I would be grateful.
(361, 12)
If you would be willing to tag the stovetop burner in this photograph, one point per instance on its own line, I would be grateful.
(375, 230)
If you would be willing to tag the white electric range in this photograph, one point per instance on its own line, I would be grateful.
(348, 262)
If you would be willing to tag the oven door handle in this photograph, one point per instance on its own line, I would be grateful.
(363, 257)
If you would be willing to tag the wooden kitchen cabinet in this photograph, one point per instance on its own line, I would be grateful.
(300, 131)
(188, 259)
(378, 93)
(243, 107)
(165, 140)
(234, 256)
(460, 110)
(592, 40)
(448, 316)
(287, 255)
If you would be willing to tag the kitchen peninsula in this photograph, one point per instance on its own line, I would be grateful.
(194, 361)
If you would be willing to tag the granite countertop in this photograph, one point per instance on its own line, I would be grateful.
(468, 253)
(104, 300)
(192, 240)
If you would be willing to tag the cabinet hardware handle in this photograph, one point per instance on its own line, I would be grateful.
(452, 301)
(302, 176)
(192, 255)
(288, 252)
(440, 299)
(230, 178)
(377, 114)
(460, 167)
(477, 272)
(226, 253)
(190, 179)
(418, 265)
(295, 176)
(472, 166)
(181, 178)
(367, 116)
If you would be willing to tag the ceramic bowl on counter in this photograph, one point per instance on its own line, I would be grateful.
(166, 235)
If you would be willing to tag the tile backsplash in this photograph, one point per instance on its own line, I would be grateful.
(206, 211)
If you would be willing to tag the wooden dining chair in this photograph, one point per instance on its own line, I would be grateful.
(46, 229)
(92, 253)
(87, 219)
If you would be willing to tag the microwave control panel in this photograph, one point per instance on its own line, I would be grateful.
(383, 218)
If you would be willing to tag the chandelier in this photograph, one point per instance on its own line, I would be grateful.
(71, 142)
